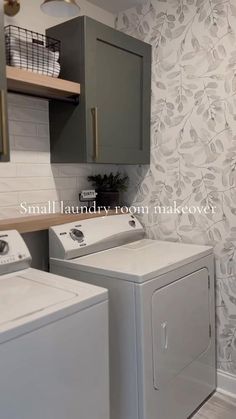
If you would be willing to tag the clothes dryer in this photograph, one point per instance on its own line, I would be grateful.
(162, 313)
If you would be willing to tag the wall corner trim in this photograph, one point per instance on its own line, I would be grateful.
(226, 383)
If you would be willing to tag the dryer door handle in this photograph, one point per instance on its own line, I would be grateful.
(164, 336)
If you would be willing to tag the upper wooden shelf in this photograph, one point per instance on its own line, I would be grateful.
(43, 222)
(23, 81)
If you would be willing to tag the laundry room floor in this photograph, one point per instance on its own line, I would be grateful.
(218, 406)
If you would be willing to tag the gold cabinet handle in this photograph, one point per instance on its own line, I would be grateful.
(95, 132)
(3, 117)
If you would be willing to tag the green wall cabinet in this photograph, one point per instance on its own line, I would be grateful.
(111, 124)
(4, 138)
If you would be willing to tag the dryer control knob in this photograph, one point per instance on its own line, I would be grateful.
(4, 247)
(77, 235)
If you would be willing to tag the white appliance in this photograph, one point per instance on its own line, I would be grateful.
(162, 315)
(53, 341)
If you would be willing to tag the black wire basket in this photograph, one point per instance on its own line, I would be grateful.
(32, 51)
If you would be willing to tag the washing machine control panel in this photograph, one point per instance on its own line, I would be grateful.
(73, 240)
(14, 254)
(4, 247)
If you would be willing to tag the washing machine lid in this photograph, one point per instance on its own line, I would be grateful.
(20, 297)
(139, 261)
(34, 298)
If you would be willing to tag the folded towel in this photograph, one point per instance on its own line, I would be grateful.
(48, 69)
(30, 49)
(34, 60)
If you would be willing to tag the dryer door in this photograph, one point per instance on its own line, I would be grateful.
(180, 322)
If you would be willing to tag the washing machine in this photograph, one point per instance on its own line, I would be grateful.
(161, 313)
(53, 341)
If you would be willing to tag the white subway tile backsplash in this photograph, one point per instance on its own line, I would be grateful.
(34, 143)
(105, 168)
(65, 183)
(26, 129)
(33, 170)
(35, 197)
(10, 198)
(71, 169)
(10, 212)
(31, 115)
(39, 183)
(26, 184)
(69, 195)
(27, 102)
(26, 156)
(8, 184)
(7, 170)
(43, 130)
(83, 183)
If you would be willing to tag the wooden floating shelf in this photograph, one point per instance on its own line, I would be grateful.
(27, 82)
(43, 222)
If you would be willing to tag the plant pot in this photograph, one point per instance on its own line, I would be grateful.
(108, 199)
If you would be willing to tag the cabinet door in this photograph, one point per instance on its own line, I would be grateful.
(118, 74)
(111, 124)
(4, 143)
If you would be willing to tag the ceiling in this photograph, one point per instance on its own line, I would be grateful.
(115, 6)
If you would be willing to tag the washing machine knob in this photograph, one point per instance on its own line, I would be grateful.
(4, 247)
(77, 235)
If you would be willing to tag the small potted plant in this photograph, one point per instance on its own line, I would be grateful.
(108, 188)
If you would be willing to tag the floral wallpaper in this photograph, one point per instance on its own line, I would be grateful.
(193, 156)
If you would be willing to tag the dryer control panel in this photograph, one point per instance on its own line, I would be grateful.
(14, 254)
(69, 241)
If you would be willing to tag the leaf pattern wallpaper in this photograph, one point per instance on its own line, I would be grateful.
(193, 150)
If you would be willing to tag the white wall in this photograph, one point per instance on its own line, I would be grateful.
(31, 17)
(29, 176)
